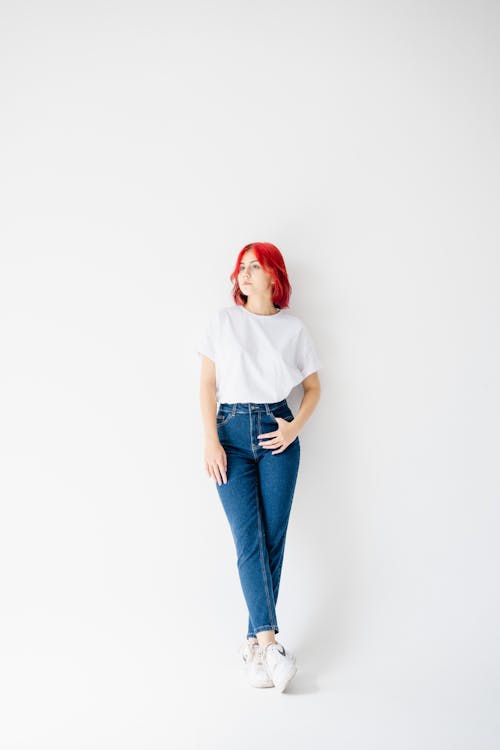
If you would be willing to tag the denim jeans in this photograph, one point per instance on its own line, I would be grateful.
(257, 500)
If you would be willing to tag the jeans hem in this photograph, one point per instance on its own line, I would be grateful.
(261, 628)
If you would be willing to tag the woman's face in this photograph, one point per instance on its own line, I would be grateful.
(252, 278)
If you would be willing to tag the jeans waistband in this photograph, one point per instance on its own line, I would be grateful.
(249, 407)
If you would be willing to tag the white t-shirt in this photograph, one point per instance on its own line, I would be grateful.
(258, 358)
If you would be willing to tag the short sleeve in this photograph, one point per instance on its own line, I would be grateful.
(207, 341)
(308, 360)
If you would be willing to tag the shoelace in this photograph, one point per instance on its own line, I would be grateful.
(253, 652)
(256, 653)
(259, 655)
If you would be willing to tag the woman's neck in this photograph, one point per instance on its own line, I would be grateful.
(261, 309)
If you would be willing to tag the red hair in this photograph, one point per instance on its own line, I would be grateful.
(272, 263)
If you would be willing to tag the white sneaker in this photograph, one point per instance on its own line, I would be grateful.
(280, 664)
(253, 660)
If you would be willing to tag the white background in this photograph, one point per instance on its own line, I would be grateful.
(142, 145)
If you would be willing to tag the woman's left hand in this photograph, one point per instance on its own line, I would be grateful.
(280, 438)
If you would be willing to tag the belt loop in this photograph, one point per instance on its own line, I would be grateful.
(268, 410)
(234, 409)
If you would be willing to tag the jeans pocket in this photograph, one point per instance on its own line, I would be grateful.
(223, 417)
(284, 412)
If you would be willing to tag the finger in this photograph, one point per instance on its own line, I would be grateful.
(215, 473)
(279, 444)
(273, 442)
(223, 470)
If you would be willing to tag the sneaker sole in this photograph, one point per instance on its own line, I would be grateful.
(263, 685)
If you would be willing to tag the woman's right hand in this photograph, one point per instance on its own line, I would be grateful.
(215, 460)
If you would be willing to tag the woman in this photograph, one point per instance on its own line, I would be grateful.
(253, 353)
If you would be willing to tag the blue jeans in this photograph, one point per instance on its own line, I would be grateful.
(257, 500)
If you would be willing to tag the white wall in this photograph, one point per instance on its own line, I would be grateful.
(142, 145)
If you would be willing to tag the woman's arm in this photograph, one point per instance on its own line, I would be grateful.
(312, 392)
(215, 455)
(208, 400)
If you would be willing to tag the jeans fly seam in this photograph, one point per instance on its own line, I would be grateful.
(251, 436)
